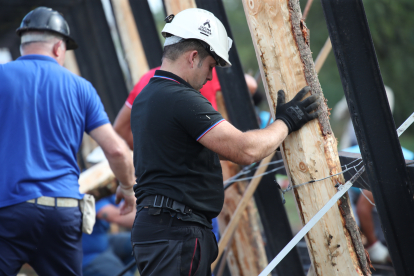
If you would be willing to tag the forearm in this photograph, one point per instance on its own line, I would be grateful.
(257, 144)
(111, 214)
(126, 220)
(121, 164)
(244, 147)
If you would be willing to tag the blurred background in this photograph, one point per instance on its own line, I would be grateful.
(391, 25)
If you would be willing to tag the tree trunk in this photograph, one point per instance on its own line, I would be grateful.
(281, 41)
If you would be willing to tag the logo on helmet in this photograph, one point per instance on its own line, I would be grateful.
(207, 23)
(205, 30)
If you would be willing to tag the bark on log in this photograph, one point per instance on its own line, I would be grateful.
(281, 41)
(131, 42)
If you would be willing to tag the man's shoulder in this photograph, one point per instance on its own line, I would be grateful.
(80, 81)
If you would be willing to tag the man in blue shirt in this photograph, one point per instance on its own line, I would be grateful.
(44, 111)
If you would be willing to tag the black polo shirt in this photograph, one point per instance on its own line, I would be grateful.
(168, 118)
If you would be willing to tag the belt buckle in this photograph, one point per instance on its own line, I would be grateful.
(178, 207)
(155, 202)
(168, 200)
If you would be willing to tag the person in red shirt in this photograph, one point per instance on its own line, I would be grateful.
(122, 123)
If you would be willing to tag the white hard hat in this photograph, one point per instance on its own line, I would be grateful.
(202, 25)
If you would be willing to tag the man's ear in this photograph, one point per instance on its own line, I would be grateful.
(58, 48)
(193, 58)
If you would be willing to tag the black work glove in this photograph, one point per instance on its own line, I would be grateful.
(296, 113)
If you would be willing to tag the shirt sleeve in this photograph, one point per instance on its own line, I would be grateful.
(195, 114)
(95, 112)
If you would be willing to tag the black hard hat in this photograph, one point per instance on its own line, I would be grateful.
(46, 19)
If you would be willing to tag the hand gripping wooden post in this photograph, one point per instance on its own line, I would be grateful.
(281, 42)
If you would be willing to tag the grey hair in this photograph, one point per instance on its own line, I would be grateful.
(40, 36)
(36, 36)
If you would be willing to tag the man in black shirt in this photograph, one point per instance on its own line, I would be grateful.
(178, 138)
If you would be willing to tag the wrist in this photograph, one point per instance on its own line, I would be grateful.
(126, 190)
(285, 124)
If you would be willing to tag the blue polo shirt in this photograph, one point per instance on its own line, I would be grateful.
(44, 111)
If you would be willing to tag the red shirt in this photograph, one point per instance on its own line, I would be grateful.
(208, 91)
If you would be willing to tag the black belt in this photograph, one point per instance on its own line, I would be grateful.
(165, 219)
(160, 201)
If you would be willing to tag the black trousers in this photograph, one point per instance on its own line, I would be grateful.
(165, 245)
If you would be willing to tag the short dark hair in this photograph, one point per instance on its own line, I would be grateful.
(174, 51)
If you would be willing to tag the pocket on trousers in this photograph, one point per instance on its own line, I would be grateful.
(190, 257)
(149, 254)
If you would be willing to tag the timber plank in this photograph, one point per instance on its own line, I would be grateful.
(131, 42)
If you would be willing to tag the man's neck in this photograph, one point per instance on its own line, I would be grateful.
(176, 68)
(38, 51)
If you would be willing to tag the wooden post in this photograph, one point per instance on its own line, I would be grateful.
(281, 41)
(323, 54)
(175, 6)
(96, 56)
(236, 216)
(131, 42)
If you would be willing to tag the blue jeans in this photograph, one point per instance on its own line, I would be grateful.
(47, 238)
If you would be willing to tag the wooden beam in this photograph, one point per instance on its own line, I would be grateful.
(281, 42)
(148, 32)
(175, 6)
(247, 196)
(246, 254)
(323, 54)
(131, 42)
(96, 176)
(96, 56)
(307, 8)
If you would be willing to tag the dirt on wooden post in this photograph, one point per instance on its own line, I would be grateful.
(281, 40)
